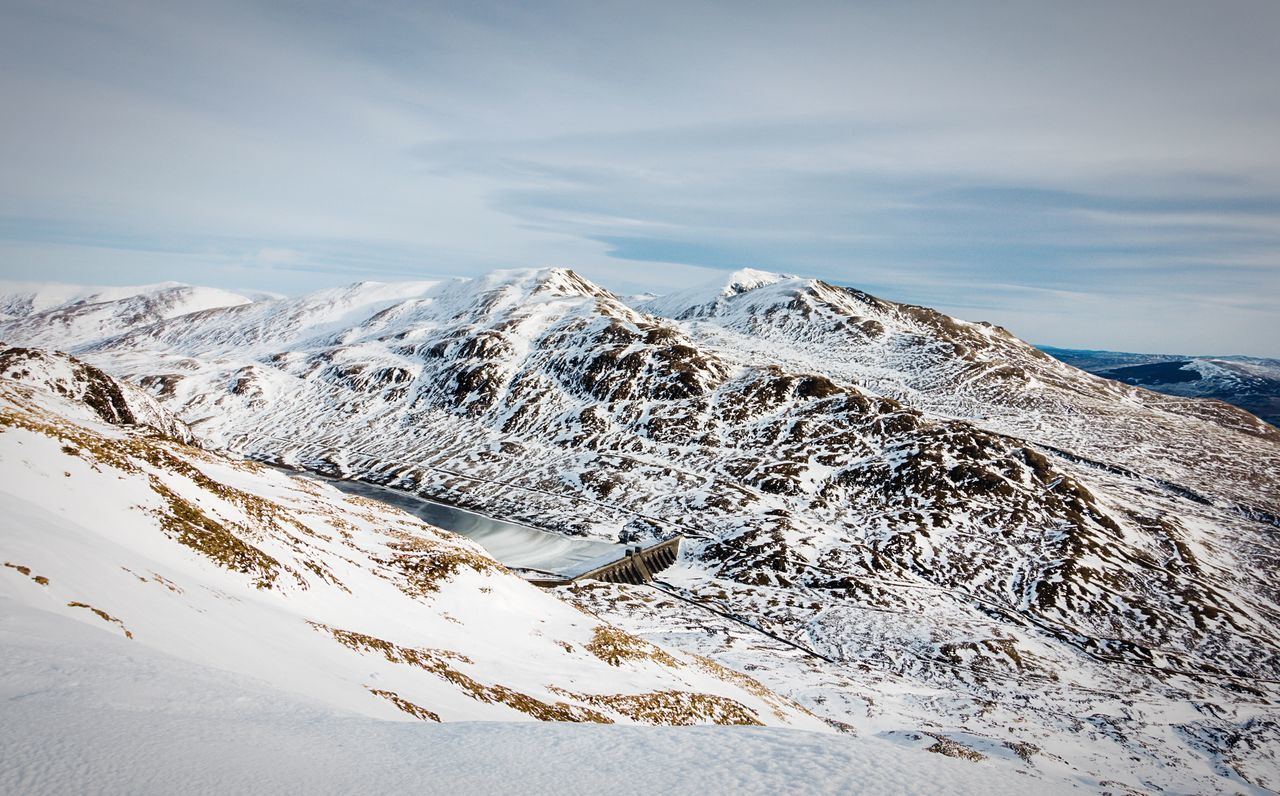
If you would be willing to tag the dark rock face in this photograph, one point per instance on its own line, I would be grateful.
(82, 382)
(111, 400)
(103, 394)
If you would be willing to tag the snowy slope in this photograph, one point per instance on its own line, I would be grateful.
(959, 531)
(346, 601)
(85, 712)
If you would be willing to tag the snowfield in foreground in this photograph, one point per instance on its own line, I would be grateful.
(85, 712)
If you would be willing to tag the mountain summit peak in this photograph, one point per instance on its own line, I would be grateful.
(704, 300)
(747, 279)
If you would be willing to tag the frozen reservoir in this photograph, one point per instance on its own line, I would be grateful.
(515, 546)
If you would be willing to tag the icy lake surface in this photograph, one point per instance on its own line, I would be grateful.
(516, 546)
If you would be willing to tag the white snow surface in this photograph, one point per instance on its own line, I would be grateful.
(86, 712)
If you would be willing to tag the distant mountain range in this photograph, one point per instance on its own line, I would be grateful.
(1251, 383)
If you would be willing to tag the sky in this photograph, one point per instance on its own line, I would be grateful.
(1087, 174)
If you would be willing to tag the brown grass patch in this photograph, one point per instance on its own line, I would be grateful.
(41, 579)
(672, 708)
(417, 711)
(440, 664)
(102, 615)
(952, 748)
(613, 646)
(424, 564)
(188, 525)
(776, 702)
(180, 519)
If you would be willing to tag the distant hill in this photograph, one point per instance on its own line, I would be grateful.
(1251, 383)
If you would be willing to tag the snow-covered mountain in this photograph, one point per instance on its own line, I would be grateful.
(1251, 383)
(973, 371)
(897, 518)
(64, 316)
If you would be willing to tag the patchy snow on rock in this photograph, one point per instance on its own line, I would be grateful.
(918, 527)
